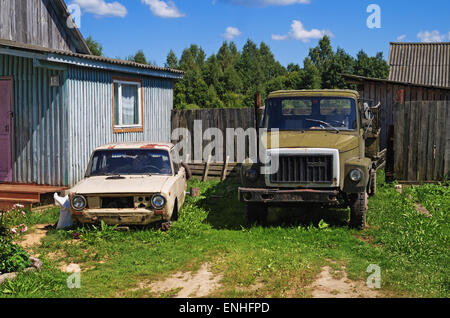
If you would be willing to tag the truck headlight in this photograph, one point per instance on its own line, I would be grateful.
(78, 202)
(355, 175)
(158, 201)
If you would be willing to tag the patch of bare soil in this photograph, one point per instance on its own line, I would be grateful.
(422, 210)
(256, 286)
(34, 237)
(335, 284)
(188, 285)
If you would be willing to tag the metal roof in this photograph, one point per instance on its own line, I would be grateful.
(356, 79)
(420, 63)
(83, 60)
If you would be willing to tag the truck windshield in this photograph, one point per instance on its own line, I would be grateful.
(310, 113)
(130, 161)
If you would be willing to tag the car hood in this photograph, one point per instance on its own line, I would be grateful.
(127, 184)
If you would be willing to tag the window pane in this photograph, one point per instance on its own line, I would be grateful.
(130, 105)
(297, 107)
(116, 104)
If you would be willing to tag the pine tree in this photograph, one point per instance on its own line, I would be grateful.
(171, 60)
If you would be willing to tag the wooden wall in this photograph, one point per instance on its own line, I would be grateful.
(221, 118)
(33, 22)
(389, 94)
(422, 141)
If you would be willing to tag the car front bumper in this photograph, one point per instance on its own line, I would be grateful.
(287, 196)
(117, 216)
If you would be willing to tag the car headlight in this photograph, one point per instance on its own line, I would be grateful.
(355, 175)
(78, 202)
(158, 201)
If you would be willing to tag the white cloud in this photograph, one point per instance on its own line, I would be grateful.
(102, 8)
(433, 36)
(401, 38)
(298, 32)
(231, 33)
(164, 9)
(263, 3)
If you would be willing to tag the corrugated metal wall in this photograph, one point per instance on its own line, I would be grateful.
(38, 133)
(89, 103)
(55, 129)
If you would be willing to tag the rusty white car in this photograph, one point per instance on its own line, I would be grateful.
(130, 184)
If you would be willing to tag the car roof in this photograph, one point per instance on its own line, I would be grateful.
(137, 145)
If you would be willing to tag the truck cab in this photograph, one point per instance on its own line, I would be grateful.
(320, 154)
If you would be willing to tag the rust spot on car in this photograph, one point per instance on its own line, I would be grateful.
(149, 146)
(153, 146)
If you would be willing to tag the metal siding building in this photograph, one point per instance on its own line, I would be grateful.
(55, 128)
(90, 121)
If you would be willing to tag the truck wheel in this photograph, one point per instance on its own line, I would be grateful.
(256, 213)
(358, 210)
(373, 182)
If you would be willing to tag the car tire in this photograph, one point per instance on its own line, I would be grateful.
(358, 210)
(175, 215)
(257, 213)
(373, 182)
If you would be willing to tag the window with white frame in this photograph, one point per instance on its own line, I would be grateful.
(127, 104)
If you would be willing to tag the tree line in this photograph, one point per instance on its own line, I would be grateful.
(231, 78)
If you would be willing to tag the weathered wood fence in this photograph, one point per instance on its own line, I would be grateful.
(213, 118)
(422, 141)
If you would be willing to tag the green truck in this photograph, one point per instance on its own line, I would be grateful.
(322, 146)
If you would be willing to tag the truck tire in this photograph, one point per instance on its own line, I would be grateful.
(373, 182)
(256, 213)
(358, 210)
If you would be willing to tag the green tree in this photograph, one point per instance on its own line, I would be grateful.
(95, 47)
(293, 68)
(171, 60)
(139, 57)
(311, 78)
(375, 67)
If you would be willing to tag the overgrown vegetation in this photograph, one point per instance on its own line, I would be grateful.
(281, 259)
(12, 257)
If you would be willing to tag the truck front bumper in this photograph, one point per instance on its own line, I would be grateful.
(287, 196)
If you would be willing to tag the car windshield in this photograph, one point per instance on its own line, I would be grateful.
(310, 113)
(130, 161)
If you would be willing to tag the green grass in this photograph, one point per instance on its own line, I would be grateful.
(282, 259)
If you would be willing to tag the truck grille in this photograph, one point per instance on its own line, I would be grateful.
(302, 169)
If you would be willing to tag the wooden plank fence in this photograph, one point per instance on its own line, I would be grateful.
(422, 141)
(222, 119)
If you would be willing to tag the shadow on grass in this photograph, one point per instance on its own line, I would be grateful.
(227, 212)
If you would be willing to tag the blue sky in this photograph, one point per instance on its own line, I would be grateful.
(289, 27)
